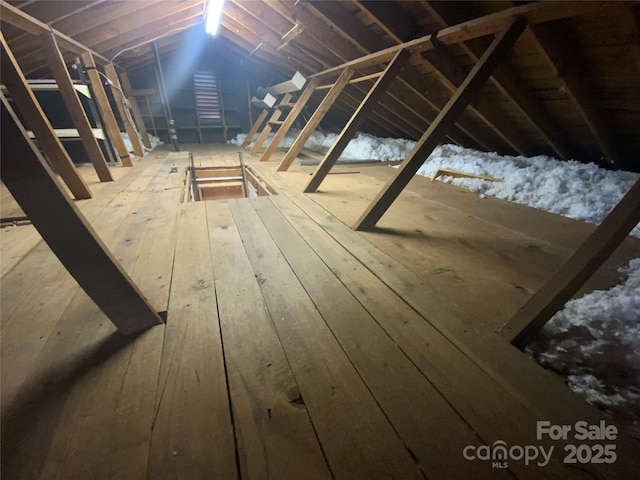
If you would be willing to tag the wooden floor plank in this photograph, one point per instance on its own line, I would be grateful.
(85, 365)
(192, 431)
(274, 433)
(27, 291)
(426, 422)
(342, 410)
(537, 389)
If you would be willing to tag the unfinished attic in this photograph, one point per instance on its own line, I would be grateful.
(320, 239)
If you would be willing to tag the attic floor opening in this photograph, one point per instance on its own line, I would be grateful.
(293, 344)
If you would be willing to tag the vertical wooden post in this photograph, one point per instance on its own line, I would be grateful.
(135, 109)
(105, 109)
(67, 232)
(74, 106)
(358, 118)
(288, 122)
(255, 127)
(437, 131)
(316, 118)
(267, 128)
(123, 111)
(37, 121)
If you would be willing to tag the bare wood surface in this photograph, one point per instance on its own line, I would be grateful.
(465, 94)
(315, 119)
(59, 221)
(568, 279)
(291, 117)
(275, 435)
(108, 118)
(254, 128)
(340, 406)
(135, 109)
(192, 430)
(74, 107)
(119, 97)
(358, 118)
(275, 116)
(37, 121)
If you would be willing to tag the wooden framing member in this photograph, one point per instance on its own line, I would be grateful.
(506, 81)
(135, 109)
(401, 27)
(74, 106)
(363, 78)
(288, 122)
(582, 264)
(437, 131)
(109, 120)
(531, 13)
(67, 232)
(575, 82)
(275, 117)
(16, 17)
(119, 97)
(255, 127)
(37, 121)
(359, 117)
(316, 118)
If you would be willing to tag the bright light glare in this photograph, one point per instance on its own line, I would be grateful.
(214, 12)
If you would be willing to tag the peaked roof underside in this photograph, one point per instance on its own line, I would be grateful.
(570, 87)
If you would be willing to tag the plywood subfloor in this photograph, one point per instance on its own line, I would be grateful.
(294, 348)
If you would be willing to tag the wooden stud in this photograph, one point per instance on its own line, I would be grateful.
(254, 128)
(275, 116)
(75, 108)
(66, 231)
(288, 122)
(358, 119)
(436, 132)
(315, 119)
(108, 118)
(582, 264)
(119, 97)
(37, 121)
(135, 109)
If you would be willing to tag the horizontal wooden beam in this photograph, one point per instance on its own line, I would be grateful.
(531, 13)
(21, 20)
(568, 279)
(360, 79)
(436, 132)
(66, 231)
